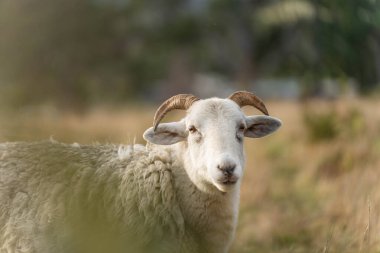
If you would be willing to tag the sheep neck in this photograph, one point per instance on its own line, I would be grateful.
(210, 215)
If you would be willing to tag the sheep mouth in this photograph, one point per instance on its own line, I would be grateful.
(229, 181)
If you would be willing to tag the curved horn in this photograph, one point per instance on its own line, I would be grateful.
(243, 98)
(181, 102)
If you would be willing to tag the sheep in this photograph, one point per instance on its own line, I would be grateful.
(179, 193)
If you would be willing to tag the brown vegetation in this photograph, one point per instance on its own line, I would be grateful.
(310, 187)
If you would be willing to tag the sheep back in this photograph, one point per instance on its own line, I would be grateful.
(57, 198)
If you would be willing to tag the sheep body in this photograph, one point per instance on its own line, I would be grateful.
(57, 198)
(180, 193)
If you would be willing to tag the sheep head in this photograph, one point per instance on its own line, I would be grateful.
(214, 130)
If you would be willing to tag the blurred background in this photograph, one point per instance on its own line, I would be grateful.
(96, 70)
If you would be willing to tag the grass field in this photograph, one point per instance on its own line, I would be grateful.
(311, 187)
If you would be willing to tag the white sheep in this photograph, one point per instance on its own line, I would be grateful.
(182, 197)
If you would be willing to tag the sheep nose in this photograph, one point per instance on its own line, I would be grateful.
(227, 169)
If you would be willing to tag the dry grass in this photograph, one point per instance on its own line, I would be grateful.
(301, 192)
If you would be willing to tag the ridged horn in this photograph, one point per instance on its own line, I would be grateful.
(243, 98)
(179, 102)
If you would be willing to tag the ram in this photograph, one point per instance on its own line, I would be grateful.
(179, 193)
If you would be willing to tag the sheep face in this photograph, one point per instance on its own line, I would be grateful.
(214, 130)
(215, 141)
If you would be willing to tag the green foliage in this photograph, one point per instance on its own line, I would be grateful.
(321, 125)
(71, 51)
(328, 125)
(353, 123)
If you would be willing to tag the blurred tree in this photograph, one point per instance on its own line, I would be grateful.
(75, 53)
(320, 38)
(58, 50)
(345, 36)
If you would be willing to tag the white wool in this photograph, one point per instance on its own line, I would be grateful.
(55, 197)
(126, 151)
(75, 144)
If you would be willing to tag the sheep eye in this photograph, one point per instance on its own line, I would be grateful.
(239, 134)
(192, 129)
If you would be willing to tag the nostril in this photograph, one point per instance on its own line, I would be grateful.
(231, 169)
(227, 169)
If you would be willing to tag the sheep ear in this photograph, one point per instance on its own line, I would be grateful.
(166, 133)
(259, 126)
